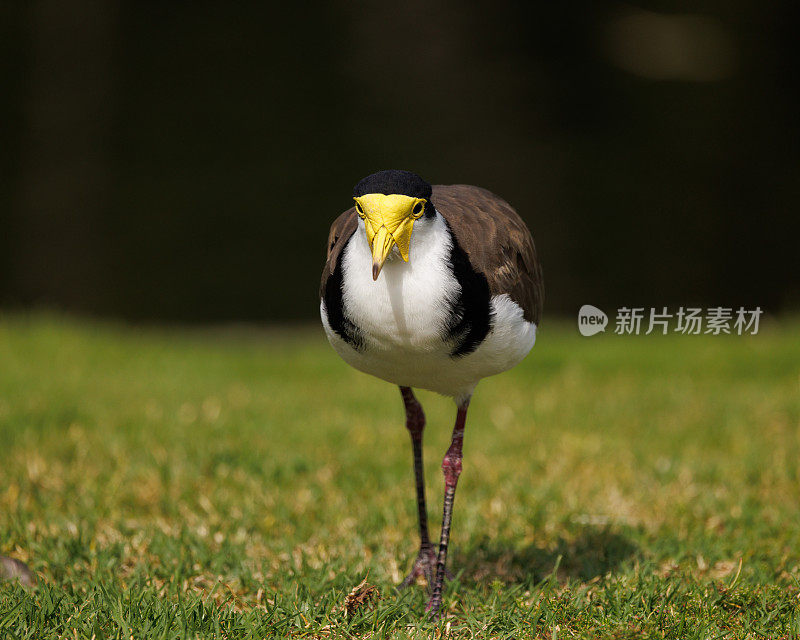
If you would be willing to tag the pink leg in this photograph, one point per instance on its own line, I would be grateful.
(451, 466)
(425, 563)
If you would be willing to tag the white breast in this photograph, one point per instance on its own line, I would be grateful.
(409, 304)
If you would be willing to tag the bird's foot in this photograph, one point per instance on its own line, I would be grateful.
(424, 565)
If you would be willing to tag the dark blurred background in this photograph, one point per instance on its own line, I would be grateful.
(182, 161)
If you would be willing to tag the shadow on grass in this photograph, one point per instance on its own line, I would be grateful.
(590, 553)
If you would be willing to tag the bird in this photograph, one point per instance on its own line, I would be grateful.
(430, 287)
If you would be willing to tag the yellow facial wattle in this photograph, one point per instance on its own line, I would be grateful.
(388, 220)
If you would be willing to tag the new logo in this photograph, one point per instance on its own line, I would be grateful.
(591, 320)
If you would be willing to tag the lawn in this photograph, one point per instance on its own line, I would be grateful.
(238, 483)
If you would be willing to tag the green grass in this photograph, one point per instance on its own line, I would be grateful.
(168, 483)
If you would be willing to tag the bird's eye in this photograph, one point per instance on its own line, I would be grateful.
(359, 210)
(418, 209)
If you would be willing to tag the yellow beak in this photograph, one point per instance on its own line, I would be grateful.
(388, 220)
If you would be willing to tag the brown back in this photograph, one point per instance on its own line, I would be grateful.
(498, 243)
(342, 228)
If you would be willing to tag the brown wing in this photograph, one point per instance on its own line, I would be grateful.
(497, 242)
(342, 228)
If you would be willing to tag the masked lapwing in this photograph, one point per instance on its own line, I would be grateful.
(433, 287)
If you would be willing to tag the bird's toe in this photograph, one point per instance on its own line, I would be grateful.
(424, 565)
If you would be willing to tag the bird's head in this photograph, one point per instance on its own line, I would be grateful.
(389, 202)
